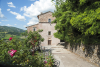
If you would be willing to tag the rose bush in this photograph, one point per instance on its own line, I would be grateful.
(10, 38)
(17, 51)
(12, 52)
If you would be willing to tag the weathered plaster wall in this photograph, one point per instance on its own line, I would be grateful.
(48, 27)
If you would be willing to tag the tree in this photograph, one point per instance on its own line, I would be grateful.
(78, 20)
(24, 33)
(2, 35)
(34, 38)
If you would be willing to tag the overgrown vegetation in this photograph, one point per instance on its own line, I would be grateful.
(28, 53)
(78, 20)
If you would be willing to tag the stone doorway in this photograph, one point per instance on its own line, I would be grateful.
(49, 42)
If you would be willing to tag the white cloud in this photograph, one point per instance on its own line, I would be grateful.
(15, 24)
(0, 22)
(35, 9)
(1, 15)
(8, 25)
(4, 20)
(14, 13)
(18, 16)
(8, 9)
(32, 21)
(10, 4)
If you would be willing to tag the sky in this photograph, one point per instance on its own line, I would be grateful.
(23, 13)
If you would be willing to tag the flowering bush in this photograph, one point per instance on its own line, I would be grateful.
(17, 51)
(45, 62)
(10, 38)
(12, 52)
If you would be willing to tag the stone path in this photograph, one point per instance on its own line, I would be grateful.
(65, 58)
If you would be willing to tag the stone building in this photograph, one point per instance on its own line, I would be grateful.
(48, 28)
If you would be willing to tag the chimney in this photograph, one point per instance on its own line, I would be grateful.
(41, 13)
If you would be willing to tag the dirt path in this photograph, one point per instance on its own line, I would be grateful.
(65, 58)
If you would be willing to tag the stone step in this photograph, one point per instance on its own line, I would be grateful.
(54, 46)
(57, 47)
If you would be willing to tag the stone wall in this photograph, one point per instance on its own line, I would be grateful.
(89, 52)
(45, 17)
(30, 28)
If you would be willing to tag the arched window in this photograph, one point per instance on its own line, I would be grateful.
(49, 20)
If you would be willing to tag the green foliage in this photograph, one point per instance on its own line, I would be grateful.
(24, 33)
(11, 30)
(23, 56)
(2, 35)
(19, 57)
(34, 37)
(78, 20)
(7, 36)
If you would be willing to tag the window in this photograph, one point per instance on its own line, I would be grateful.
(49, 20)
(34, 28)
(49, 33)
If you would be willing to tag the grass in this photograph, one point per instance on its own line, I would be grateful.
(3, 32)
(7, 36)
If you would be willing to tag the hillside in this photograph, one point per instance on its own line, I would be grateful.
(6, 32)
(10, 29)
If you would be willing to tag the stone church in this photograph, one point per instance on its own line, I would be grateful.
(48, 28)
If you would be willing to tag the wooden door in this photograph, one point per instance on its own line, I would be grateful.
(49, 42)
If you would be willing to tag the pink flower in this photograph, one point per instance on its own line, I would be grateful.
(10, 38)
(45, 62)
(8, 51)
(12, 52)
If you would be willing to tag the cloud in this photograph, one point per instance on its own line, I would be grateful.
(0, 22)
(4, 20)
(10, 4)
(35, 9)
(15, 24)
(14, 13)
(8, 25)
(8, 9)
(1, 15)
(18, 16)
(32, 21)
